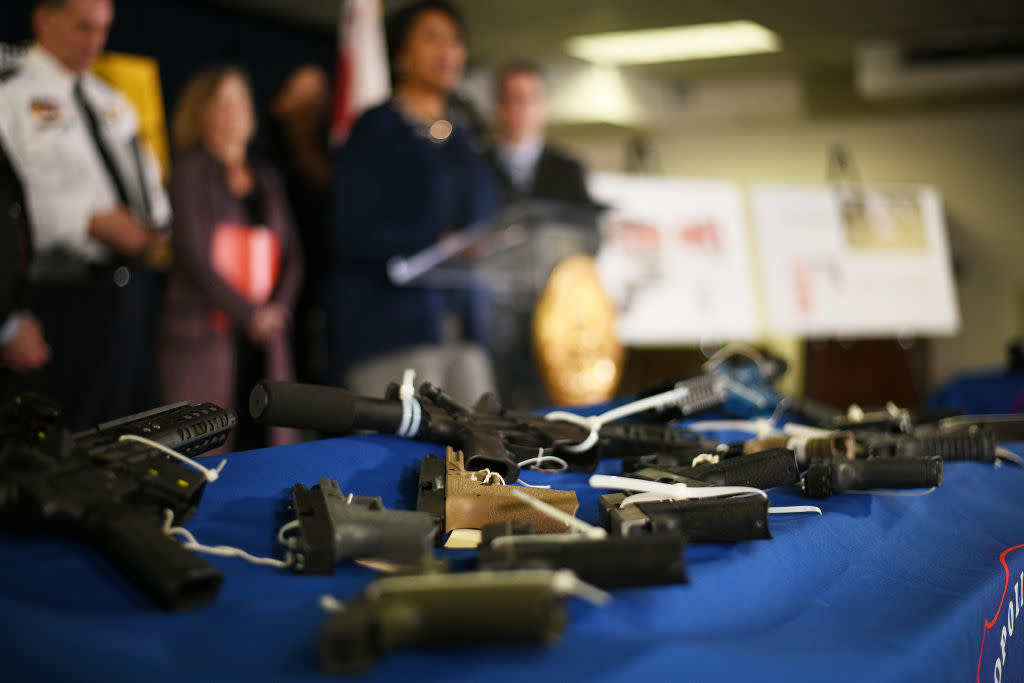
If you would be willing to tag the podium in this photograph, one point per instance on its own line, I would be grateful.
(509, 257)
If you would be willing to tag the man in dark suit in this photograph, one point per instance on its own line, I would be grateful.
(23, 347)
(527, 166)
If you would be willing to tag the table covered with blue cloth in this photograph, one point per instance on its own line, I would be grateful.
(877, 588)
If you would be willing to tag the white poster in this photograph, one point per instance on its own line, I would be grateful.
(675, 259)
(857, 261)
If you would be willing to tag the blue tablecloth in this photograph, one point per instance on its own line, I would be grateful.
(876, 589)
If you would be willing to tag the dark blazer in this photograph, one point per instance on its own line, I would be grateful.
(396, 191)
(15, 241)
(196, 359)
(557, 177)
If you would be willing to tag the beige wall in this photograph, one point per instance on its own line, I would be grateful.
(975, 159)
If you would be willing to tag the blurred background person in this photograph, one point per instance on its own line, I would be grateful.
(237, 260)
(23, 346)
(404, 178)
(297, 134)
(94, 194)
(527, 166)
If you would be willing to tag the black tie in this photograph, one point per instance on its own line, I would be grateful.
(101, 146)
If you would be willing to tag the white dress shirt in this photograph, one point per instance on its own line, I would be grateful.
(51, 146)
(520, 161)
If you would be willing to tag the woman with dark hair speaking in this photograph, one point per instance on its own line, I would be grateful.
(405, 177)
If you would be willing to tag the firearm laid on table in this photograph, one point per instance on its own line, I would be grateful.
(489, 436)
(449, 610)
(105, 488)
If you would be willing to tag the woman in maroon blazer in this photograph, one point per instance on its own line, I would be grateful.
(237, 262)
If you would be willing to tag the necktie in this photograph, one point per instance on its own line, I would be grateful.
(93, 124)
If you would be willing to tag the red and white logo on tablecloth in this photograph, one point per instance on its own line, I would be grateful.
(997, 638)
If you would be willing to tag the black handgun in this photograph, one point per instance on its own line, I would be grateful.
(976, 444)
(335, 526)
(609, 561)
(705, 520)
(490, 436)
(763, 470)
(827, 476)
(112, 493)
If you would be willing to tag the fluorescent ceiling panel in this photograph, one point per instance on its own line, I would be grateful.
(674, 44)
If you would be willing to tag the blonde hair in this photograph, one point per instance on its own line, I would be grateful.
(187, 127)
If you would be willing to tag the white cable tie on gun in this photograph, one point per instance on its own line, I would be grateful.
(210, 474)
(566, 583)
(677, 491)
(805, 431)
(412, 415)
(537, 462)
(793, 509)
(595, 422)
(191, 543)
(574, 523)
(1004, 453)
(408, 386)
(704, 459)
(733, 349)
(488, 475)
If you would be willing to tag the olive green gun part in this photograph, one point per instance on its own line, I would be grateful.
(467, 499)
(442, 610)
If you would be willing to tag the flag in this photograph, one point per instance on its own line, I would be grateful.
(361, 80)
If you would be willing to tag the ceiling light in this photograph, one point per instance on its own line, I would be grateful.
(674, 44)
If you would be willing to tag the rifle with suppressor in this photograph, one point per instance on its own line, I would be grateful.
(102, 488)
(490, 436)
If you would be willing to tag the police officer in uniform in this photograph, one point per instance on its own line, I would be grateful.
(94, 196)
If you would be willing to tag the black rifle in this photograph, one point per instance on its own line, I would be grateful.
(112, 493)
(489, 436)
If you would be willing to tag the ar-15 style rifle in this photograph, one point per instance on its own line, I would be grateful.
(103, 488)
(490, 436)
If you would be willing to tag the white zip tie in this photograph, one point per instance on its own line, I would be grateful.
(191, 543)
(793, 509)
(572, 522)
(805, 431)
(408, 386)
(487, 477)
(595, 422)
(677, 491)
(705, 458)
(732, 349)
(566, 583)
(653, 491)
(1005, 453)
(210, 474)
(282, 539)
(761, 426)
(537, 462)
